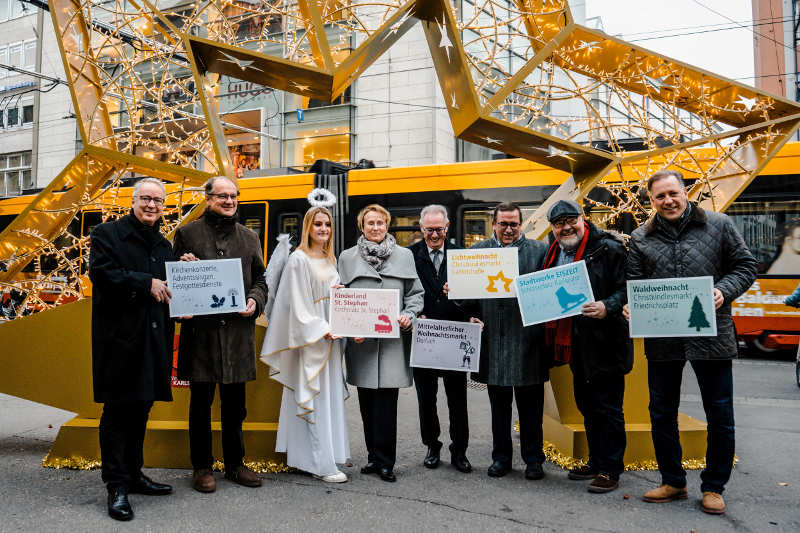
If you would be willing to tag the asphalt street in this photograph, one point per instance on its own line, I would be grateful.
(762, 495)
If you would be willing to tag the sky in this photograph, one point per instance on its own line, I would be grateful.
(728, 52)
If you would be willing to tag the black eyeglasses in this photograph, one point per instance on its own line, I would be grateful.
(512, 225)
(431, 231)
(571, 221)
(147, 199)
(224, 196)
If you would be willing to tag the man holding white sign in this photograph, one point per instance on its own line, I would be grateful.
(512, 363)
(683, 240)
(220, 348)
(595, 343)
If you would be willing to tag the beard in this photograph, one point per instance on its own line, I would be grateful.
(569, 242)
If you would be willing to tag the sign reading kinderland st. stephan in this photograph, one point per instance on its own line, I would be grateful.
(672, 307)
(206, 287)
(557, 292)
(446, 345)
(482, 273)
(368, 313)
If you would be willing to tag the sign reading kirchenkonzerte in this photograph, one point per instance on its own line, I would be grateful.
(369, 313)
(206, 287)
(446, 345)
(482, 273)
(557, 292)
(673, 307)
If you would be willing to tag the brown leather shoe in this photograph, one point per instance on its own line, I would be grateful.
(713, 503)
(244, 476)
(665, 493)
(203, 480)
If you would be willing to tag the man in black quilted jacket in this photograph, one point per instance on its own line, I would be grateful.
(684, 240)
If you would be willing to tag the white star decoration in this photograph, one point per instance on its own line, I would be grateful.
(453, 103)
(300, 87)
(588, 46)
(241, 63)
(552, 151)
(657, 83)
(444, 41)
(748, 103)
(490, 140)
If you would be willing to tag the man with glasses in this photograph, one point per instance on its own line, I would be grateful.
(512, 363)
(131, 340)
(430, 257)
(220, 349)
(595, 344)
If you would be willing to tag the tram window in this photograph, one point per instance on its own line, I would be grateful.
(5, 221)
(476, 222)
(252, 216)
(772, 232)
(290, 223)
(90, 220)
(405, 226)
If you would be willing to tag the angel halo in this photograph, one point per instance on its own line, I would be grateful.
(321, 198)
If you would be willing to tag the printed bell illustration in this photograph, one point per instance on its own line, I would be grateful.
(569, 301)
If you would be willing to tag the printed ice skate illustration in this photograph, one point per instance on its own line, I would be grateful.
(469, 349)
(386, 327)
(569, 301)
(217, 301)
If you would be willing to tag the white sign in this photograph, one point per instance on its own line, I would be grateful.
(207, 287)
(446, 345)
(368, 313)
(482, 273)
(557, 292)
(672, 307)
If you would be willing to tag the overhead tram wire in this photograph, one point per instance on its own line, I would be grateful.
(742, 26)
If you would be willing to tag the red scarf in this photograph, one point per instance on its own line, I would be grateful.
(558, 333)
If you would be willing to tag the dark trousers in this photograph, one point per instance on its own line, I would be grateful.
(232, 411)
(426, 381)
(530, 402)
(122, 429)
(379, 416)
(600, 402)
(715, 379)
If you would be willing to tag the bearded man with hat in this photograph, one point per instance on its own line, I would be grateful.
(595, 343)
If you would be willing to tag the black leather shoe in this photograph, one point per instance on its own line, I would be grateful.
(432, 457)
(387, 474)
(534, 471)
(119, 508)
(498, 469)
(370, 468)
(461, 463)
(147, 486)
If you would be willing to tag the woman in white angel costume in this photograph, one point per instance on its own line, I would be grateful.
(306, 359)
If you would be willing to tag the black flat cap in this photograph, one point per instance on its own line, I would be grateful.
(563, 208)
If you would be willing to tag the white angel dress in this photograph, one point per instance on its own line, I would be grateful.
(312, 428)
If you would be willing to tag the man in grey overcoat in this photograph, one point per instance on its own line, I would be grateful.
(512, 362)
(684, 240)
(220, 349)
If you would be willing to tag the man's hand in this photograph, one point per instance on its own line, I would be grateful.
(446, 288)
(626, 312)
(250, 309)
(719, 299)
(594, 310)
(476, 321)
(189, 256)
(160, 291)
(358, 340)
(404, 321)
(330, 337)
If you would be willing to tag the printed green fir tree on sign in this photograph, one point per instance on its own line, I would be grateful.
(697, 319)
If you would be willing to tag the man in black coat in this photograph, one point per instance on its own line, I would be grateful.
(595, 343)
(132, 336)
(430, 257)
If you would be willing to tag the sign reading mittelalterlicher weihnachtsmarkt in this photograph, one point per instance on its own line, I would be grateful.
(206, 287)
(672, 307)
(555, 293)
(446, 345)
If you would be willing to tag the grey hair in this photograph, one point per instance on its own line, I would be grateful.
(156, 181)
(209, 185)
(432, 209)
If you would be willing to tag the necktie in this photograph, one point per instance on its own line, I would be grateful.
(437, 259)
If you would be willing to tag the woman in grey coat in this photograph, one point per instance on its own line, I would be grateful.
(379, 367)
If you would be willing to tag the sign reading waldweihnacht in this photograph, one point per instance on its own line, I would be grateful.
(206, 287)
(672, 307)
(446, 345)
(482, 273)
(368, 313)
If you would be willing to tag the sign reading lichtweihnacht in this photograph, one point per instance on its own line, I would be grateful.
(368, 313)
(482, 273)
(672, 307)
(446, 345)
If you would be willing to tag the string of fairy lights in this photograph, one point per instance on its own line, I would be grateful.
(149, 106)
